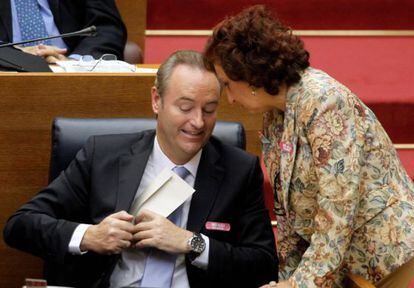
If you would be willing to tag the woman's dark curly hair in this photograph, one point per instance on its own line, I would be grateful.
(253, 46)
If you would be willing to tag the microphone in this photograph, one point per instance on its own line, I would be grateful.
(87, 32)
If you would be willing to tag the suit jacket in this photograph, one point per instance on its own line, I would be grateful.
(104, 178)
(343, 199)
(73, 15)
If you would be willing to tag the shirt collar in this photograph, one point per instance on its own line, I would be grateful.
(160, 157)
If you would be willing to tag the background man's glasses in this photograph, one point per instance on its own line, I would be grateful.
(106, 63)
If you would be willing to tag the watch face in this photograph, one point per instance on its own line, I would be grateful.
(197, 243)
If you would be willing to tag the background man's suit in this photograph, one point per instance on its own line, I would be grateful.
(73, 15)
(104, 178)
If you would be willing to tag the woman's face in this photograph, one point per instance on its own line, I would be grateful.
(242, 93)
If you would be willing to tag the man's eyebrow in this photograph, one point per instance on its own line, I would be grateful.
(185, 98)
(192, 100)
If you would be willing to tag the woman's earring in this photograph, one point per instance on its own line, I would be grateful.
(253, 91)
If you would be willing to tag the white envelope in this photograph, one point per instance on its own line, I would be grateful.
(165, 194)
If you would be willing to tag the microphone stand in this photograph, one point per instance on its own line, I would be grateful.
(90, 31)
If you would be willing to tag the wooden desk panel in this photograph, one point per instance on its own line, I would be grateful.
(28, 104)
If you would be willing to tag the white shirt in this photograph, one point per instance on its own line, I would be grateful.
(130, 268)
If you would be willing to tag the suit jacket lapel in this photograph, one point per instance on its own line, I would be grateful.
(288, 145)
(131, 169)
(209, 176)
(54, 8)
(6, 19)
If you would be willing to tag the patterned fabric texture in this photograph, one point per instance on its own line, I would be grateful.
(31, 22)
(344, 203)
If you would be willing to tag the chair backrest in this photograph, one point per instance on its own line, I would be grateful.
(70, 134)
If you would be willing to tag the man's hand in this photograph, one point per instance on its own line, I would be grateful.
(154, 230)
(110, 236)
(50, 53)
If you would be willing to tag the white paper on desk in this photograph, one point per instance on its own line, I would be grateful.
(165, 194)
(108, 66)
(146, 70)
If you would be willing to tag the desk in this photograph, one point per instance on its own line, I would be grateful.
(29, 102)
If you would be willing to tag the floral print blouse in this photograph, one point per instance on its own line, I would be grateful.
(343, 201)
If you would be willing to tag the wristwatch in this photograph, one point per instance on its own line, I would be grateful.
(197, 245)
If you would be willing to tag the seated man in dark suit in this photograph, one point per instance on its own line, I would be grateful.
(28, 19)
(84, 226)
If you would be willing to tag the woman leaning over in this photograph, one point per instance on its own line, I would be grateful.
(344, 203)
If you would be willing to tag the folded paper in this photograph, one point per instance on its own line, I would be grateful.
(165, 194)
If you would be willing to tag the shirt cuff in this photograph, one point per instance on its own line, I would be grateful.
(202, 260)
(77, 236)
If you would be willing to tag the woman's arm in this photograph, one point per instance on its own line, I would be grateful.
(333, 135)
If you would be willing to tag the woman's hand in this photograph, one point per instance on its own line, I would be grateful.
(273, 284)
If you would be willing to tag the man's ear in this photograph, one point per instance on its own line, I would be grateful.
(155, 100)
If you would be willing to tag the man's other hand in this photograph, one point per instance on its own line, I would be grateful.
(50, 53)
(154, 230)
(110, 236)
